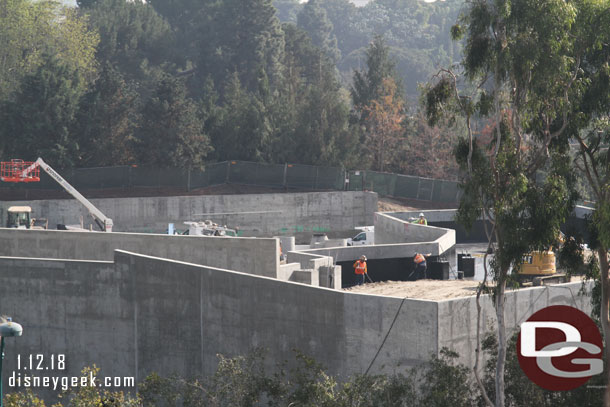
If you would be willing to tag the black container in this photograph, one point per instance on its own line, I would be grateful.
(460, 263)
(438, 270)
(468, 266)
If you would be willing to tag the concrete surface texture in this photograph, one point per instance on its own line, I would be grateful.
(448, 215)
(390, 229)
(457, 317)
(299, 214)
(249, 255)
(144, 314)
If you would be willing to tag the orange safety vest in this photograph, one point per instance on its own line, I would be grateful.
(360, 267)
(419, 258)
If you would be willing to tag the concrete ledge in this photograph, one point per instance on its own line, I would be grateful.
(249, 255)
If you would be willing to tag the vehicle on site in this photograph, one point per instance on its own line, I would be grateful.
(19, 217)
(539, 267)
(24, 171)
(208, 228)
(366, 237)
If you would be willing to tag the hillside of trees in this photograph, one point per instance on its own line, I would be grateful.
(182, 83)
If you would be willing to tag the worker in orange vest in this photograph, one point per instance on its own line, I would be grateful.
(420, 265)
(360, 270)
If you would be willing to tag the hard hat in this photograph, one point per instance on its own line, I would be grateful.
(421, 214)
(363, 257)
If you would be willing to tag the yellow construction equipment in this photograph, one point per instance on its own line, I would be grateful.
(540, 268)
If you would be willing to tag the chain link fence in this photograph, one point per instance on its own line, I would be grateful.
(285, 176)
(405, 186)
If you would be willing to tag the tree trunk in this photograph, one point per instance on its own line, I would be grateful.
(501, 288)
(604, 317)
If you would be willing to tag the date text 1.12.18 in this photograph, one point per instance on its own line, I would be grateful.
(39, 362)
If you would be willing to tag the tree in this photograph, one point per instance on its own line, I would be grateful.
(31, 30)
(427, 151)
(368, 85)
(38, 121)
(521, 62)
(244, 131)
(384, 116)
(313, 20)
(591, 129)
(106, 121)
(134, 39)
(446, 383)
(309, 115)
(243, 37)
(287, 10)
(172, 133)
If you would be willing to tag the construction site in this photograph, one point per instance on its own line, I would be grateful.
(141, 284)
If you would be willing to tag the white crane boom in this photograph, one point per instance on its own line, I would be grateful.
(104, 222)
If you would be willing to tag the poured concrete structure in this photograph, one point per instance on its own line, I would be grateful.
(140, 314)
(249, 255)
(171, 303)
(299, 214)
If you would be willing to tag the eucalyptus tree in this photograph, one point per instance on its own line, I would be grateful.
(590, 127)
(519, 70)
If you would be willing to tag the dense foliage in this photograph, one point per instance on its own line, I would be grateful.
(184, 83)
(250, 380)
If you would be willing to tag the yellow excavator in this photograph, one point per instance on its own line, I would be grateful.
(539, 267)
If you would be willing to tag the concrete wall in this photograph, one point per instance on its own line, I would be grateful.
(391, 229)
(249, 255)
(457, 317)
(144, 314)
(147, 314)
(445, 218)
(298, 214)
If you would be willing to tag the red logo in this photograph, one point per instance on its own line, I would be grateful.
(560, 348)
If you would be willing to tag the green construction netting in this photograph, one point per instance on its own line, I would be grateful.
(199, 179)
(355, 180)
(101, 177)
(445, 191)
(426, 188)
(242, 172)
(406, 186)
(329, 178)
(300, 176)
(217, 173)
(144, 177)
(173, 177)
(251, 173)
(380, 182)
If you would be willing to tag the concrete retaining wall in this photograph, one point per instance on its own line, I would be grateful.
(249, 255)
(144, 314)
(457, 317)
(147, 314)
(391, 229)
(445, 218)
(299, 214)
